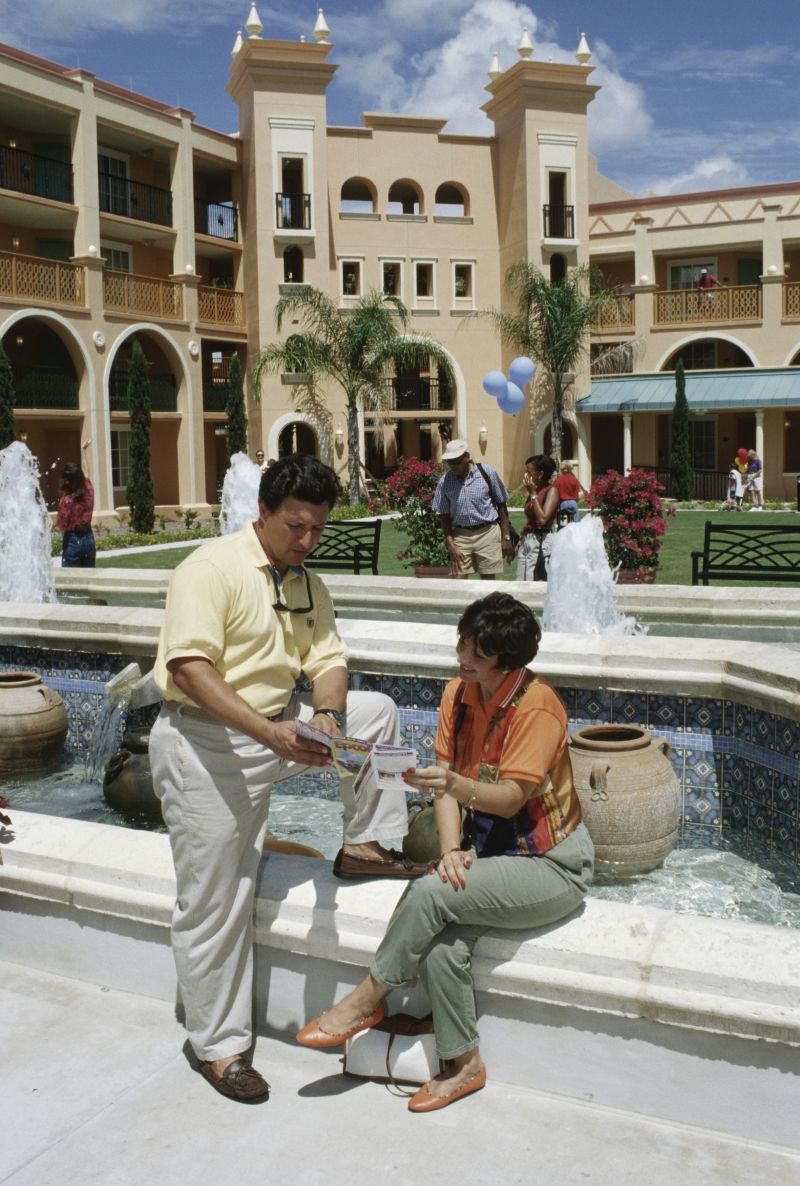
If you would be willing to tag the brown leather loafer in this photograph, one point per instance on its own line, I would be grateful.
(395, 865)
(423, 1101)
(315, 1038)
(239, 1081)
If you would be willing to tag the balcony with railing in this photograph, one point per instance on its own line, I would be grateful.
(47, 388)
(559, 221)
(125, 292)
(52, 281)
(163, 391)
(39, 176)
(215, 394)
(616, 314)
(293, 212)
(218, 219)
(135, 199)
(221, 306)
(419, 394)
(791, 299)
(694, 306)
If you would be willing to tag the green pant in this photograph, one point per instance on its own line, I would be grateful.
(434, 928)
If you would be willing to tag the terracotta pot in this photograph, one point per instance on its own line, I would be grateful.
(33, 723)
(635, 576)
(630, 797)
(432, 570)
(128, 782)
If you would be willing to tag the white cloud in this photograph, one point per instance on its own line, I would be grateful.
(69, 21)
(720, 171)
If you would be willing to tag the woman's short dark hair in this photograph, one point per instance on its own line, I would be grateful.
(298, 476)
(502, 626)
(73, 481)
(545, 465)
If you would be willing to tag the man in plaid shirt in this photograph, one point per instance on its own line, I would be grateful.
(471, 500)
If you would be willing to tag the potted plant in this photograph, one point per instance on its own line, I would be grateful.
(410, 490)
(634, 521)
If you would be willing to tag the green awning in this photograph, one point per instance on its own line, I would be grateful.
(708, 391)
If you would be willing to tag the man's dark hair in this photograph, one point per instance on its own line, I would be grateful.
(298, 476)
(502, 626)
(545, 465)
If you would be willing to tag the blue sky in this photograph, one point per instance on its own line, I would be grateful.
(695, 95)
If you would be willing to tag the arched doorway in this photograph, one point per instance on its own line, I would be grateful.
(568, 445)
(558, 268)
(298, 437)
(164, 426)
(293, 265)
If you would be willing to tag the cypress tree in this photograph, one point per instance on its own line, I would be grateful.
(235, 409)
(140, 479)
(8, 432)
(681, 476)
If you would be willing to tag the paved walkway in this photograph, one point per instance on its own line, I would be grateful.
(95, 1091)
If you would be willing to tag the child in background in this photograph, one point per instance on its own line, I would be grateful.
(735, 490)
(569, 491)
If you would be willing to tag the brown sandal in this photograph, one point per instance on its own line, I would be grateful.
(239, 1081)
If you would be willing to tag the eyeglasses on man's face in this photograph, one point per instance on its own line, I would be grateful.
(280, 605)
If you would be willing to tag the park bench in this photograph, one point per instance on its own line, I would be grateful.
(348, 546)
(748, 551)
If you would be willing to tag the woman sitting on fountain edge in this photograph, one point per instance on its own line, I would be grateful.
(524, 859)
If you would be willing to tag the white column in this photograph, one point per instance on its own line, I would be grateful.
(760, 435)
(627, 442)
(584, 468)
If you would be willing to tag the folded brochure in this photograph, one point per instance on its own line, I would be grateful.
(362, 760)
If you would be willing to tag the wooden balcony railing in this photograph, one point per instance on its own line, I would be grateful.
(617, 314)
(125, 292)
(222, 306)
(30, 173)
(33, 279)
(791, 299)
(690, 306)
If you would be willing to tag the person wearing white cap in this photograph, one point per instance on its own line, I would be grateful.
(471, 500)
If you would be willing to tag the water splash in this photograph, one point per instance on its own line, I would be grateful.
(109, 726)
(239, 494)
(580, 585)
(26, 568)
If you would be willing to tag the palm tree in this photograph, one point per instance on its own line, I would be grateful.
(354, 349)
(552, 324)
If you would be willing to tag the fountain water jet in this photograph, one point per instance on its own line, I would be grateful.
(26, 569)
(239, 494)
(580, 585)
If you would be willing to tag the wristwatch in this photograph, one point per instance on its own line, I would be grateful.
(506, 539)
(333, 713)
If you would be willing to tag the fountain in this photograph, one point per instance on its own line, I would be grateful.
(580, 584)
(239, 504)
(26, 569)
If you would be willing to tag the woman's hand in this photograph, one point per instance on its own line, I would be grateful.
(430, 780)
(452, 866)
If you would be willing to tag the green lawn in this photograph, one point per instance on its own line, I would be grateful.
(684, 535)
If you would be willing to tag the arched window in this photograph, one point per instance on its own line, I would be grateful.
(358, 197)
(293, 265)
(298, 437)
(558, 268)
(452, 201)
(405, 197)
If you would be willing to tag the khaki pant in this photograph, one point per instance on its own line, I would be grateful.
(481, 547)
(434, 928)
(214, 784)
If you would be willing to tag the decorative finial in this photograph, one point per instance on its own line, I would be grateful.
(253, 23)
(583, 53)
(322, 33)
(237, 45)
(494, 65)
(525, 47)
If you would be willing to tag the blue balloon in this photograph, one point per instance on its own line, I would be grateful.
(522, 370)
(495, 383)
(513, 401)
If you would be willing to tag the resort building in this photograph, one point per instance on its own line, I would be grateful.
(121, 218)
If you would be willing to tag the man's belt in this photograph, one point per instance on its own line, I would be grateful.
(200, 714)
(478, 526)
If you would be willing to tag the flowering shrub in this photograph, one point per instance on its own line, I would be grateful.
(633, 515)
(410, 490)
(4, 819)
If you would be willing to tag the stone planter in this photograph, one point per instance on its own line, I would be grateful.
(635, 576)
(630, 797)
(432, 570)
(33, 723)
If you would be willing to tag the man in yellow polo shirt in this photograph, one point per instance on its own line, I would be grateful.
(243, 619)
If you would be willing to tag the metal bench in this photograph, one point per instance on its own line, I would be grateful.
(748, 551)
(348, 547)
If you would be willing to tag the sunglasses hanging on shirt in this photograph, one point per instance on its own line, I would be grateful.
(279, 604)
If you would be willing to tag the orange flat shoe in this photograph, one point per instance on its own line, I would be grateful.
(313, 1036)
(423, 1101)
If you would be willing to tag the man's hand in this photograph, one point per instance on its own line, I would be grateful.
(456, 555)
(325, 724)
(282, 739)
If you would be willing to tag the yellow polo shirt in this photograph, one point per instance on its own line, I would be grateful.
(219, 606)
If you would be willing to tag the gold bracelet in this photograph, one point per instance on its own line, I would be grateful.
(469, 803)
